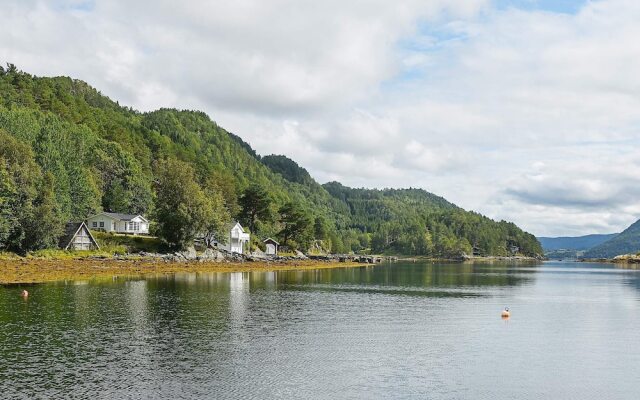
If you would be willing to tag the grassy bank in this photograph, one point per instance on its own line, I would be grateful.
(110, 245)
(31, 270)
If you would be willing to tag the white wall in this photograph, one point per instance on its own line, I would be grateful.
(271, 249)
(108, 226)
(120, 226)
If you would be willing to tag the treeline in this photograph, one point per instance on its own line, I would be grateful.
(415, 222)
(67, 151)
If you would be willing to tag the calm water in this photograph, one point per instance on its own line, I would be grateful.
(389, 331)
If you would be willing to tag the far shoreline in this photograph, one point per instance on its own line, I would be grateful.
(622, 259)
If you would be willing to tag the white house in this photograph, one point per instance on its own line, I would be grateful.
(119, 223)
(238, 238)
(271, 247)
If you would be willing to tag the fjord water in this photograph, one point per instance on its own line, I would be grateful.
(404, 330)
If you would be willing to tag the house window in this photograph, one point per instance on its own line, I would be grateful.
(101, 224)
(134, 226)
(94, 224)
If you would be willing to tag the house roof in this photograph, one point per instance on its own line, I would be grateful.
(121, 217)
(267, 240)
(71, 229)
(233, 224)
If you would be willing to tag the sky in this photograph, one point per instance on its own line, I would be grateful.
(523, 110)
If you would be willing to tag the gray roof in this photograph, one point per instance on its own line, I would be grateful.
(271, 240)
(121, 217)
(230, 225)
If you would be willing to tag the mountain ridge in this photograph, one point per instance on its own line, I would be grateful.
(627, 242)
(584, 242)
(98, 155)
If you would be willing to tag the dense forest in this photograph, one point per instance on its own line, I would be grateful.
(67, 151)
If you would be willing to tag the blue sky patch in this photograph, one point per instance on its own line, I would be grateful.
(556, 6)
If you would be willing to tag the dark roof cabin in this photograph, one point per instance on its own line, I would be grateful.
(77, 237)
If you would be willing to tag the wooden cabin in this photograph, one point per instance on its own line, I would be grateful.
(77, 237)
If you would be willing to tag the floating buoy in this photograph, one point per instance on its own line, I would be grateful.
(24, 294)
(505, 313)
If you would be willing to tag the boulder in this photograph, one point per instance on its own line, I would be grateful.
(211, 255)
(188, 254)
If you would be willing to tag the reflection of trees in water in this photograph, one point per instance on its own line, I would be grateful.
(427, 275)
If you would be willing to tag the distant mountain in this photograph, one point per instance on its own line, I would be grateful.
(564, 254)
(573, 242)
(628, 242)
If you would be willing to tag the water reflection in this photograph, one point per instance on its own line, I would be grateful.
(401, 330)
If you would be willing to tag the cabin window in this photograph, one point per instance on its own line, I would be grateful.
(101, 224)
(94, 224)
(134, 226)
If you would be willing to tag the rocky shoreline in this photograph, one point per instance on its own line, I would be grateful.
(219, 255)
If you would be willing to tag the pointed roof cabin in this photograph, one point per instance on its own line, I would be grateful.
(77, 237)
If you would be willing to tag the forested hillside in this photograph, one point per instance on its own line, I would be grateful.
(574, 243)
(627, 242)
(413, 221)
(66, 152)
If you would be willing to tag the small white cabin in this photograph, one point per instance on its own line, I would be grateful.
(119, 223)
(271, 247)
(238, 239)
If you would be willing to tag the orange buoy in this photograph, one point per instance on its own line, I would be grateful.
(505, 313)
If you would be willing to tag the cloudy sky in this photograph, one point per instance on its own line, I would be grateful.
(524, 110)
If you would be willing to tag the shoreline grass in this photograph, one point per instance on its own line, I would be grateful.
(30, 270)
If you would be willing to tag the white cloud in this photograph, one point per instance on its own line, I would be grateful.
(526, 115)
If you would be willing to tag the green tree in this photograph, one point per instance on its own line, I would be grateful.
(216, 227)
(225, 184)
(7, 193)
(255, 206)
(44, 226)
(85, 194)
(296, 224)
(182, 211)
(320, 228)
(19, 177)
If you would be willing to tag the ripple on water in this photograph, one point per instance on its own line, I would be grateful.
(399, 331)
